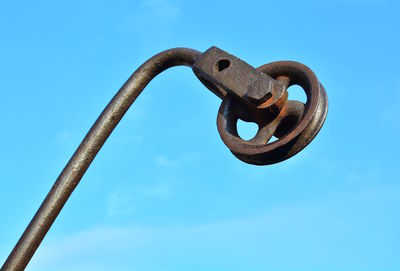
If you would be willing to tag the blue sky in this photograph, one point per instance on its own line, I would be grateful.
(165, 193)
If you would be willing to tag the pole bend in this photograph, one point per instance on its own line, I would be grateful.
(88, 149)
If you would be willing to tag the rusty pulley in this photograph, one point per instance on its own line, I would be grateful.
(258, 95)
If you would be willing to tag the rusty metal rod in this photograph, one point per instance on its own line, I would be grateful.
(87, 150)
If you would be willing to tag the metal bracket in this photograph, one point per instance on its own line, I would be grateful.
(225, 74)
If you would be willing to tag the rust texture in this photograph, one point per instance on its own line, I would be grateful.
(258, 95)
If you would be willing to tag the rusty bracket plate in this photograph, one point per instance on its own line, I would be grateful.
(225, 74)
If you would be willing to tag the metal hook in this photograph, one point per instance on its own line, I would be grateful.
(258, 94)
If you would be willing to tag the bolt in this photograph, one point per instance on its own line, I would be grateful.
(259, 91)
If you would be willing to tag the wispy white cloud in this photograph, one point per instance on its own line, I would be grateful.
(63, 136)
(144, 244)
(265, 239)
(158, 191)
(119, 202)
(162, 160)
(188, 158)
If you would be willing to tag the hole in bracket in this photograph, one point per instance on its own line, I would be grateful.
(223, 64)
(246, 130)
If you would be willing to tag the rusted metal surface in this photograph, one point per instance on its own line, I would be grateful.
(259, 95)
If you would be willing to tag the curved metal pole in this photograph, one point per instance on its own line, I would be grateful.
(87, 150)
